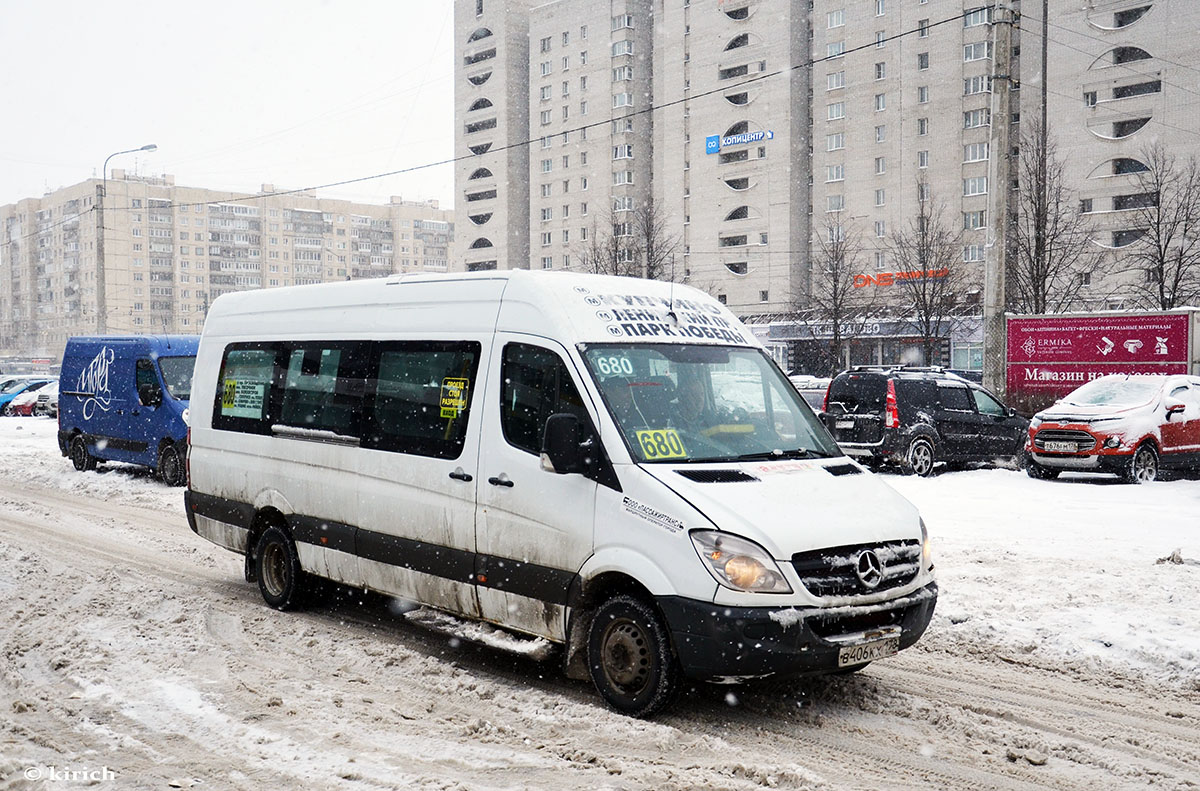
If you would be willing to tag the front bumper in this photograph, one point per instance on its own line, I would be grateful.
(715, 642)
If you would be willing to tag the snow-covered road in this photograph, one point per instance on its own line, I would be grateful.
(1063, 656)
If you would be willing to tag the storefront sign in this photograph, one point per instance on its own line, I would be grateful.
(891, 278)
(714, 143)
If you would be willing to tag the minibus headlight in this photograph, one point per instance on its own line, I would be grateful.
(738, 563)
(926, 548)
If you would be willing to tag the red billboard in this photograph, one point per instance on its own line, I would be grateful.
(1050, 356)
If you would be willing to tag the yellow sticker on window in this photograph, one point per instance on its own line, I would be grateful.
(228, 394)
(661, 444)
(454, 397)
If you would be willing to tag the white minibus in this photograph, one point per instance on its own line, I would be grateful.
(611, 464)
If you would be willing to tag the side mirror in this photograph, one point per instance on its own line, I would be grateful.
(561, 452)
(150, 395)
(1174, 407)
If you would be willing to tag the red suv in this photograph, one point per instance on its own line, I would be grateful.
(1131, 426)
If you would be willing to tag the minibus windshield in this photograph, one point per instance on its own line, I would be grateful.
(177, 375)
(703, 403)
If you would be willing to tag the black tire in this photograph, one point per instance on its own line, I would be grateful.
(170, 466)
(630, 658)
(1142, 466)
(281, 581)
(1035, 470)
(920, 457)
(80, 457)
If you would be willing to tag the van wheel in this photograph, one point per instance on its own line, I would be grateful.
(280, 579)
(918, 459)
(1142, 466)
(170, 466)
(80, 457)
(630, 658)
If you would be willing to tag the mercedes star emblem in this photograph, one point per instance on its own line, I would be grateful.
(869, 569)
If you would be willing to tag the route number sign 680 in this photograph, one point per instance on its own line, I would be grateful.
(614, 365)
(661, 444)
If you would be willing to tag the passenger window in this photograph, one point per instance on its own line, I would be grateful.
(421, 397)
(955, 398)
(244, 390)
(537, 385)
(148, 389)
(322, 389)
(986, 404)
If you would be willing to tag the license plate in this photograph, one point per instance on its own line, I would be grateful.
(1060, 447)
(844, 424)
(868, 652)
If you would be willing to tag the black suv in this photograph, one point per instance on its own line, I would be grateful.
(918, 417)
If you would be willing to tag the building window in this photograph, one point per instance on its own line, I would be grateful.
(880, 229)
(764, 296)
(880, 260)
(922, 126)
(922, 61)
(1085, 205)
(977, 16)
(974, 220)
(835, 202)
(975, 152)
(546, 44)
(835, 111)
(981, 83)
(547, 262)
(922, 159)
(880, 197)
(880, 71)
(923, 28)
(922, 94)
(880, 133)
(835, 18)
(835, 80)
(835, 142)
(1089, 99)
(547, 237)
(624, 47)
(880, 101)
(835, 173)
(980, 50)
(880, 165)
(973, 119)
(972, 253)
(976, 185)
(835, 49)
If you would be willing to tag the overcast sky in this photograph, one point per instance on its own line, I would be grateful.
(235, 94)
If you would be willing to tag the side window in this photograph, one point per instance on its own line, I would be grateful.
(420, 397)
(322, 388)
(986, 404)
(245, 389)
(537, 385)
(148, 389)
(956, 398)
(915, 394)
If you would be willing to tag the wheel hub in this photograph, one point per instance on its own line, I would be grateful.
(626, 656)
(273, 569)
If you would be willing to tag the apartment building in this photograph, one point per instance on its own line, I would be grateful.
(695, 114)
(149, 256)
(491, 114)
(1123, 76)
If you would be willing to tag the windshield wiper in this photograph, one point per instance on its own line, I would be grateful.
(796, 453)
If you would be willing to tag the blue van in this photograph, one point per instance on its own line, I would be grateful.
(123, 398)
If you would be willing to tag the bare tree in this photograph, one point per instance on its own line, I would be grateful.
(1052, 241)
(632, 243)
(834, 301)
(1166, 211)
(929, 270)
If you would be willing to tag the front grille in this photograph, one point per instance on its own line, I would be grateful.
(848, 623)
(1083, 440)
(833, 571)
(716, 476)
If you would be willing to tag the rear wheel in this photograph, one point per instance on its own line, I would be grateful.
(1142, 466)
(170, 466)
(630, 658)
(280, 579)
(919, 458)
(80, 457)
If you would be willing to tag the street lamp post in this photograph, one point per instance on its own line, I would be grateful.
(101, 300)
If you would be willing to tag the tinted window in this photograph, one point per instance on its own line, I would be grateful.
(536, 385)
(245, 388)
(420, 397)
(956, 398)
(915, 394)
(322, 390)
(858, 393)
(148, 390)
(986, 404)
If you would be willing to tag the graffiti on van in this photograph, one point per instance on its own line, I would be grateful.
(93, 383)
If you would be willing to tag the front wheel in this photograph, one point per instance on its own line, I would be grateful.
(170, 466)
(80, 457)
(277, 566)
(1035, 470)
(630, 658)
(919, 458)
(1142, 466)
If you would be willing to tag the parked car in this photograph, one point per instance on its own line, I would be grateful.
(919, 418)
(47, 401)
(16, 389)
(812, 389)
(124, 400)
(1129, 426)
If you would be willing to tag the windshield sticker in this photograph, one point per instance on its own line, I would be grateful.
(241, 398)
(661, 444)
(632, 316)
(651, 515)
(93, 381)
(454, 397)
